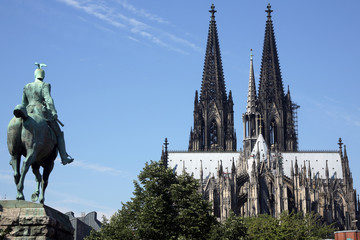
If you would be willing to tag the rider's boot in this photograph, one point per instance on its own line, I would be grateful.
(65, 158)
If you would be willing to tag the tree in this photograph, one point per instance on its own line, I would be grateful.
(164, 206)
(233, 228)
(288, 226)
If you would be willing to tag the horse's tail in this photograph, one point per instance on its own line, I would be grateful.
(14, 135)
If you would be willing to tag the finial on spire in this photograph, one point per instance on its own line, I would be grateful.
(340, 146)
(166, 155)
(269, 11)
(213, 11)
(251, 54)
(260, 124)
(166, 143)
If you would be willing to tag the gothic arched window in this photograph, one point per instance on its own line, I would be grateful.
(213, 133)
(273, 132)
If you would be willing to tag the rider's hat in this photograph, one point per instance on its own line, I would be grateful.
(39, 72)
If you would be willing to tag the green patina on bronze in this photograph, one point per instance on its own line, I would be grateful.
(35, 134)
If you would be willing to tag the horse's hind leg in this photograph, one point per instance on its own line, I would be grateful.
(35, 169)
(30, 159)
(15, 163)
(47, 170)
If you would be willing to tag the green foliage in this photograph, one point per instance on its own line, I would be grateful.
(233, 228)
(167, 206)
(288, 226)
(164, 206)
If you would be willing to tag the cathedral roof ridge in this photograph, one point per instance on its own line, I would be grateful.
(317, 151)
(203, 151)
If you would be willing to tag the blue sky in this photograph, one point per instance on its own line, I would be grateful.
(124, 75)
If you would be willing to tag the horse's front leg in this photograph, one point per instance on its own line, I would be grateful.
(15, 163)
(35, 169)
(30, 159)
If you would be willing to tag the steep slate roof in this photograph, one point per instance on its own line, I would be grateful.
(317, 162)
(210, 162)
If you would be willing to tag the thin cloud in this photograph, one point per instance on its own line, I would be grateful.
(6, 177)
(133, 39)
(352, 121)
(97, 10)
(113, 17)
(184, 42)
(69, 199)
(142, 12)
(332, 108)
(98, 168)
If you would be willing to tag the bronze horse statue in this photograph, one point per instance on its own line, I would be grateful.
(34, 133)
(35, 140)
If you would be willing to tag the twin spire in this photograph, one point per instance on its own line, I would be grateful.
(213, 111)
(213, 83)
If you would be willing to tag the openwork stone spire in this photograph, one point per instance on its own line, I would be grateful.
(271, 88)
(276, 109)
(213, 84)
(251, 100)
(213, 113)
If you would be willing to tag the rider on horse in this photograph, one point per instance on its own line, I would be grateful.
(37, 100)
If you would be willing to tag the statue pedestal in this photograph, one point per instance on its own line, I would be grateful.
(33, 221)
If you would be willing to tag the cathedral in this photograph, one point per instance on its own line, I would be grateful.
(269, 175)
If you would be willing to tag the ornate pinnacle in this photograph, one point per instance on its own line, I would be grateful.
(213, 11)
(260, 123)
(269, 11)
(340, 146)
(166, 143)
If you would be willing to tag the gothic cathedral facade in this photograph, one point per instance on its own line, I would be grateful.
(270, 175)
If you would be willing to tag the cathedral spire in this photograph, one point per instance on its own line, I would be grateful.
(272, 104)
(251, 100)
(213, 110)
(213, 84)
(270, 75)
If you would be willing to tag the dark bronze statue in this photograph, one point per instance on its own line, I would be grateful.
(35, 134)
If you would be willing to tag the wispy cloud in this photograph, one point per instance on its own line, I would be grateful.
(142, 12)
(6, 177)
(97, 9)
(333, 108)
(113, 17)
(66, 199)
(98, 168)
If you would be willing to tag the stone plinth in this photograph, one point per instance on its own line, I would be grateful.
(33, 221)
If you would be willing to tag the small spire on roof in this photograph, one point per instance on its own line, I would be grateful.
(340, 146)
(269, 11)
(327, 170)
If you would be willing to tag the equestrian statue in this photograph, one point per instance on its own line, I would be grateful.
(34, 133)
